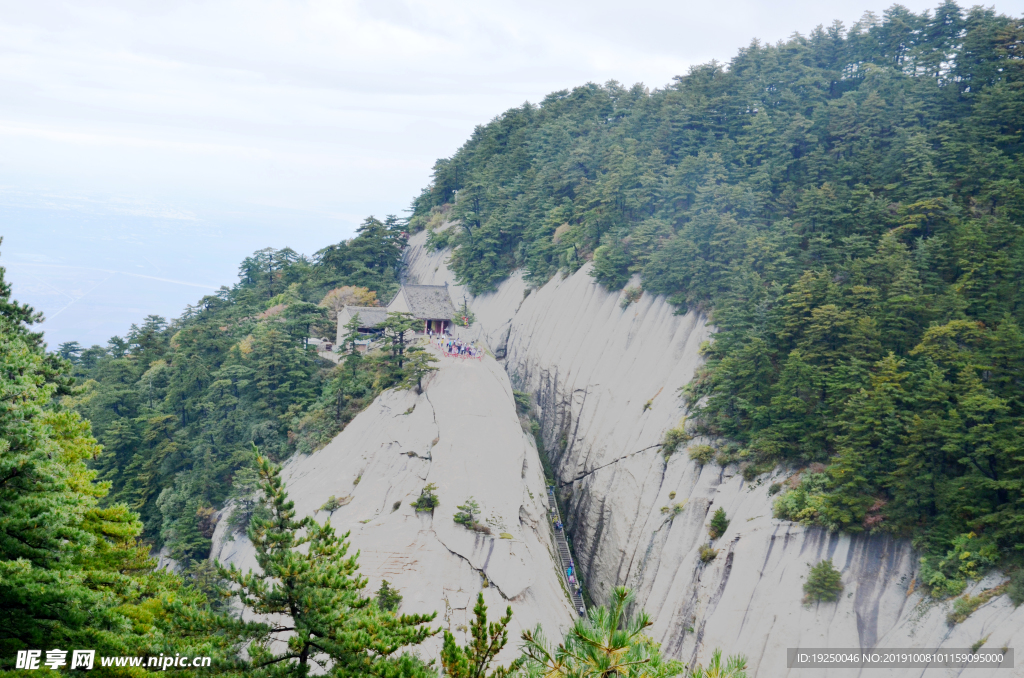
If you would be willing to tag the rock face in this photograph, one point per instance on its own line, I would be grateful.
(164, 561)
(605, 380)
(462, 434)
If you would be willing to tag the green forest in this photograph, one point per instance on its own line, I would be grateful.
(847, 207)
(177, 405)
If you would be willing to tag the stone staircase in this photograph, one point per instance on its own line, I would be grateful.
(563, 552)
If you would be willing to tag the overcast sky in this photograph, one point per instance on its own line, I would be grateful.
(147, 146)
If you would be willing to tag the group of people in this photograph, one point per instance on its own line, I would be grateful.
(570, 572)
(454, 347)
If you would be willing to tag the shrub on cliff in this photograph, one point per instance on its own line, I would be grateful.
(388, 598)
(1016, 588)
(467, 513)
(439, 240)
(803, 503)
(719, 524)
(965, 606)
(427, 501)
(702, 454)
(970, 556)
(631, 295)
(522, 399)
(674, 437)
(824, 583)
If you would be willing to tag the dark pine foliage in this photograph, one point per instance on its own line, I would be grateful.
(388, 598)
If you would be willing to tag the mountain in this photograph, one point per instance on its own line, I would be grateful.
(760, 330)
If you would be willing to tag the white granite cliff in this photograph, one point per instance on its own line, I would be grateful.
(462, 434)
(605, 380)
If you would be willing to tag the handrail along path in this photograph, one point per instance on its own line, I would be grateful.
(564, 555)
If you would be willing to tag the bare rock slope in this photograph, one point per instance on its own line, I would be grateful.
(605, 378)
(463, 435)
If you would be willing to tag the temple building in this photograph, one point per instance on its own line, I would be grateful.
(430, 304)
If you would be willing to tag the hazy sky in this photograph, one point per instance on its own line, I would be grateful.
(146, 147)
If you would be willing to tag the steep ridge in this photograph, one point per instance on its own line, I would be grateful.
(462, 434)
(605, 379)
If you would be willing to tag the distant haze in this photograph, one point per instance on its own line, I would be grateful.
(146, 147)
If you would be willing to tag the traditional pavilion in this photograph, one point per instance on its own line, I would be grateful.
(430, 304)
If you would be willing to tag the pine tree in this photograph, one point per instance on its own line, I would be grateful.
(473, 660)
(282, 370)
(301, 317)
(418, 363)
(349, 339)
(868, 448)
(719, 524)
(608, 642)
(467, 513)
(311, 593)
(611, 264)
(734, 667)
(388, 598)
(396, 329)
